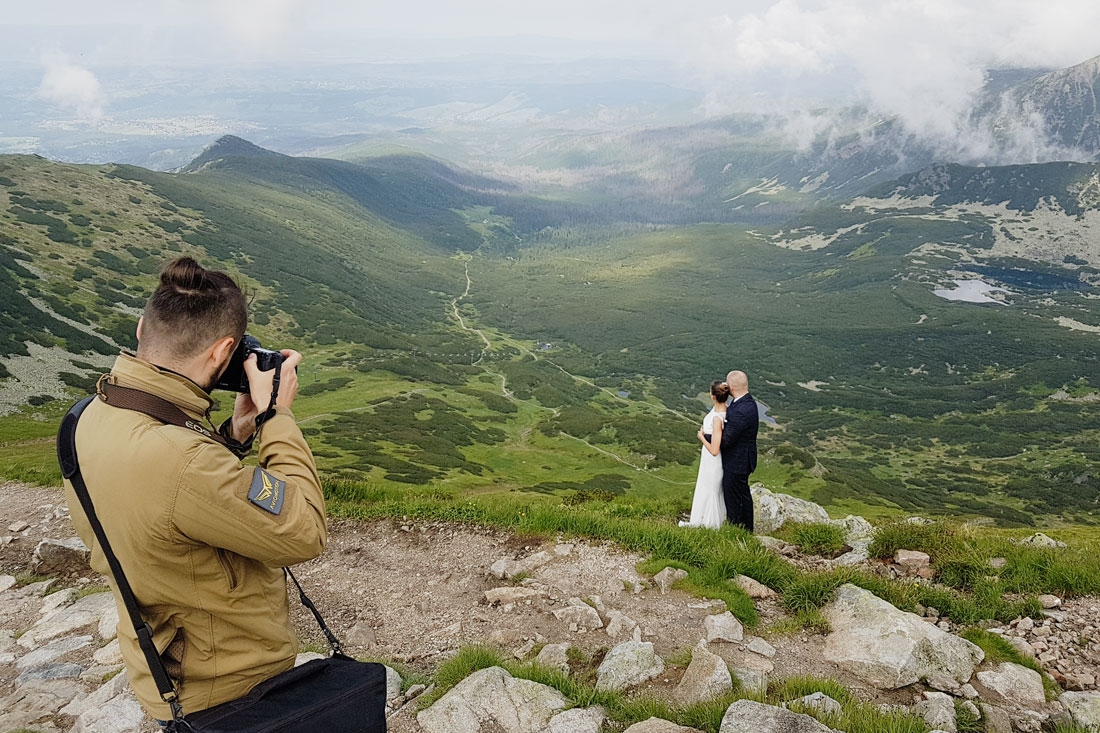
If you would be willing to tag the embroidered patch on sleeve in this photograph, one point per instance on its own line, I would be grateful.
(267, 492)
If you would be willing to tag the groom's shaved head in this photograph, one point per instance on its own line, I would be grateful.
(738, 382)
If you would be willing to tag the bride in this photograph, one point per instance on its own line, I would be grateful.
(708, 508)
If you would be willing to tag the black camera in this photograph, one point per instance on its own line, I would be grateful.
(234, 378)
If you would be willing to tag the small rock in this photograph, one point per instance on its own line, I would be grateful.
(554, 656)
(968, 691)
(619, 623)
(46, 654)
(304, 657)
(659, 725)
(723, 627)
(59, 671)
(997, 562)
(6, 581)
(667, 577)
(996, 719)
(944, 683)
(577, 720)
(563, 550)
(744, 716)
(754, 588)
(818, 702)
(627, 665)
(706, 677)
(1014, 685)
(523, 651)
(1041, 540)
(120, 714)
(506, 567)
(761, 647)
(580, 614)
(96, 609)
(414, 691)
(393, 684)
(1049, 601)
(59, 557)
(912, 560)
(752, 679)
(1025, 624)
(17, 526)
(938, 711)
(361, 635)
(510, 594)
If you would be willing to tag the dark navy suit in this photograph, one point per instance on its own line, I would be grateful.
(739, 459)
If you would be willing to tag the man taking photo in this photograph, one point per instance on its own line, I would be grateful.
(201, 536)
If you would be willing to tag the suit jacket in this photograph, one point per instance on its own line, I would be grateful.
(739, 436)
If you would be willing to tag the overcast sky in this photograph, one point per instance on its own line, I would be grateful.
(920, 59)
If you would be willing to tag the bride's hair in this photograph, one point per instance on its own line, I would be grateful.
(720, 390)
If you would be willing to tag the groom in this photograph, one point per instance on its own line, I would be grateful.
(739, 450)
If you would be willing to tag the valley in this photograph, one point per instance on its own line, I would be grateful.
(471, 339)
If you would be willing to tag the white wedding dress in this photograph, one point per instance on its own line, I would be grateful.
(708, 508)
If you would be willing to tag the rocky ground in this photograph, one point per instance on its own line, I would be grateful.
(414, 593)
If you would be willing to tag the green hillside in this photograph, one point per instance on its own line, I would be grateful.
(463, 337)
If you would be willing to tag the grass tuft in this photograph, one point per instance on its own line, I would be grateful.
(998, 650)
(814, 539)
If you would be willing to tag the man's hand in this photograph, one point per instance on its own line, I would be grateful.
(258, 398)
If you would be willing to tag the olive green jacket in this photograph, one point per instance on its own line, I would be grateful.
(201, 537)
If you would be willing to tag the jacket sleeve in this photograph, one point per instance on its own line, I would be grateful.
(737, 423)
(219, 500)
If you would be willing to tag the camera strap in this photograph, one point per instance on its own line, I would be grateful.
(161, 409)
(70, 469)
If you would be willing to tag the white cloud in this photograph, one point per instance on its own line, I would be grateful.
(922, 61)
(72, 87)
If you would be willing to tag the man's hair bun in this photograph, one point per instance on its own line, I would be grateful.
(187, 275)
(193, 307)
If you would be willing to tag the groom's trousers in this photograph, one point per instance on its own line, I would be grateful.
(738, 496)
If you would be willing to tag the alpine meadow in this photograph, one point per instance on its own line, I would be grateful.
(513, 282)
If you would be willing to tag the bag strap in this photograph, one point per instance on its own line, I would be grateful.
(70, 469)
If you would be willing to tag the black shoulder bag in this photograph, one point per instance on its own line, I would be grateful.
(334, 695)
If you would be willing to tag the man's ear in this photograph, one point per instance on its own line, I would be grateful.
(141, 321)
(222, 349)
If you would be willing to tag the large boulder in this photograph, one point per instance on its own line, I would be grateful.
(1083, 707)
(492, 700)
(772, 510)
(60, 557)
(1013, 685)
(745, 716)
(889, 648)
(706, 677)
(628, 664)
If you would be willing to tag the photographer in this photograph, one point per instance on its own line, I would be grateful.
(201, 536)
